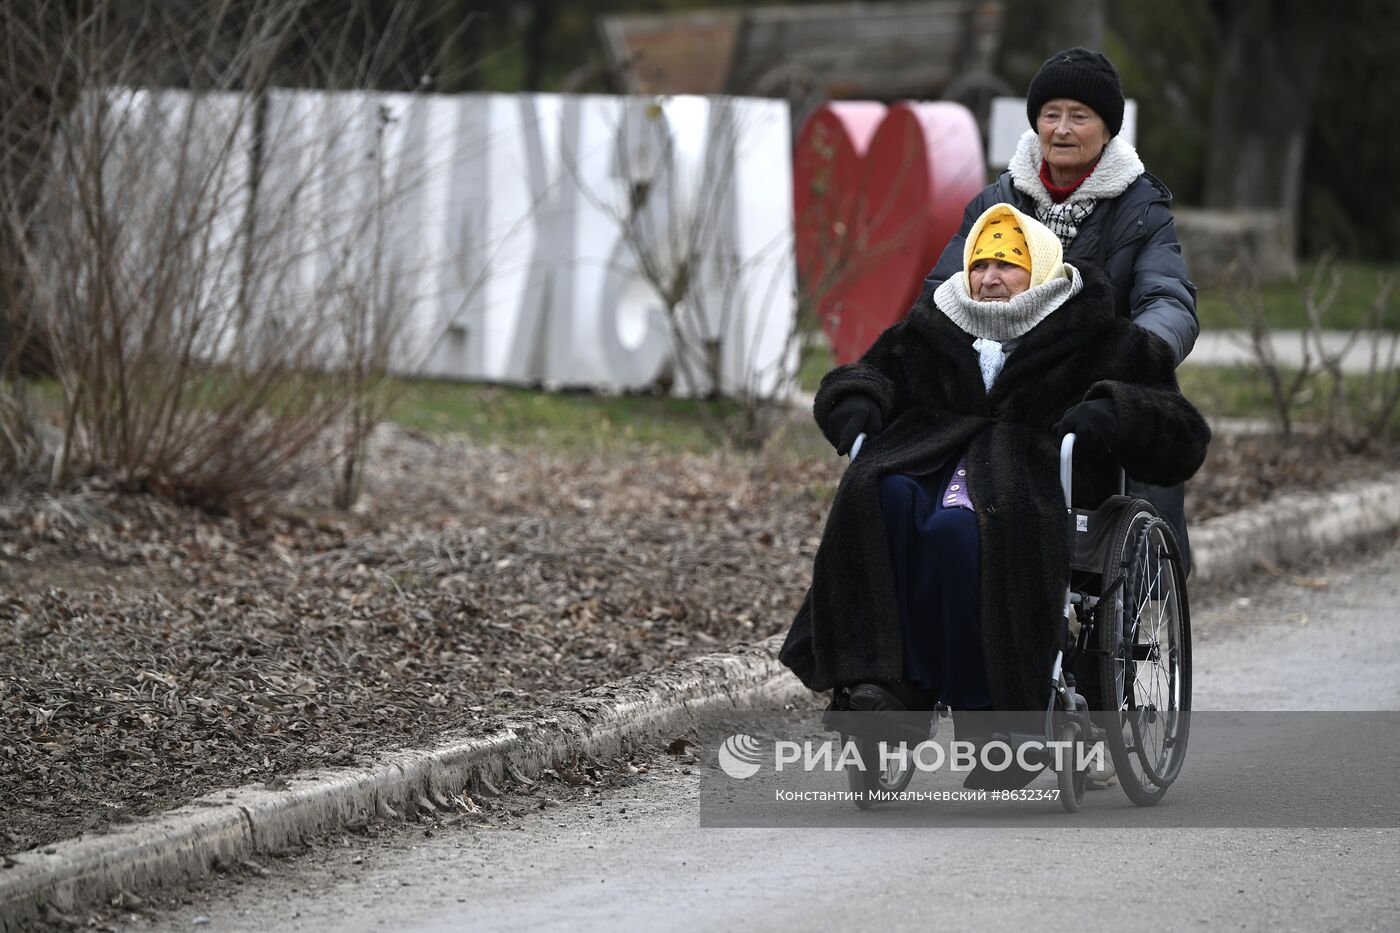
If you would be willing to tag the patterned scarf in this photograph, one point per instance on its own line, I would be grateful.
(1065, 219)
(1118, 167)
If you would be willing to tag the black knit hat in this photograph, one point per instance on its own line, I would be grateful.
(1083, 75)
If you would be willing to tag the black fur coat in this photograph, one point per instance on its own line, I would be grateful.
(924, 374)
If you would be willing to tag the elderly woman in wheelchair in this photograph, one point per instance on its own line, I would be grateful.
(952, 563)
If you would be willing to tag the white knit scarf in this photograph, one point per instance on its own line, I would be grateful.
(995, 322)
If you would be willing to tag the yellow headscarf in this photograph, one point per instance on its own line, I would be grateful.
(1002, 238)
(1004, 233)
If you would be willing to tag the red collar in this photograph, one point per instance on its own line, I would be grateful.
(1059, 194)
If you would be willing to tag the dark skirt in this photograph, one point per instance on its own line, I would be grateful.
(935, 552)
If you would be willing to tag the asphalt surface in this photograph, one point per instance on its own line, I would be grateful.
(1232, 348)
(636, 857)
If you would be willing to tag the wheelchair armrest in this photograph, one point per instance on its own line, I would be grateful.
(1067, 471)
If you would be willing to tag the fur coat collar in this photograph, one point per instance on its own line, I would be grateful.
(1118, 167)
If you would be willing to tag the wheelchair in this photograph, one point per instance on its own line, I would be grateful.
(1122, 676)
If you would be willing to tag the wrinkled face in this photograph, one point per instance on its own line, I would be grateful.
(994, 280)
(1071, 135)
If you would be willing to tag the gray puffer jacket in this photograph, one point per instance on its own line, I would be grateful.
(1140, 255)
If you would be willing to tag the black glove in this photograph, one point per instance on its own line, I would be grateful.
(854, 415)
(1094, 424)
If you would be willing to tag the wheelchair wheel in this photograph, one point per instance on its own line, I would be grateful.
(1071, 779)
(891, 778)
(1144, 634)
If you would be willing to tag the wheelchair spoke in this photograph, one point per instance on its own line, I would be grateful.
(1150, 705)
(894, 767)
(1145, 670)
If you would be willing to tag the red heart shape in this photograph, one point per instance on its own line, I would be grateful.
(872, 219)
(828, 182)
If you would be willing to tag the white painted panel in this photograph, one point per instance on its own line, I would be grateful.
(494, 225)
(763, 356)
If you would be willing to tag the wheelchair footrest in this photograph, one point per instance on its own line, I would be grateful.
(1043, 754)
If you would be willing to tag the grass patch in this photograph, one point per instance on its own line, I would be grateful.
(817, 361)
(1226, 391)
(1283, 301)
(561, 421)
(44, 397)
(517, 416)
(1243, 392)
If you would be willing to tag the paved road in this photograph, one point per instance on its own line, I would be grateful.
(1232, 348)
(634, 857)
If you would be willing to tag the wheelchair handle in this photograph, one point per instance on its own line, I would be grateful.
(856, 445)
(1067, 466)
(1067, 470)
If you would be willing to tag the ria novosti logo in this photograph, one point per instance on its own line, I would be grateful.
(739, 756)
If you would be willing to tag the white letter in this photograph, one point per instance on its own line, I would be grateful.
(1005, 759)
(919, 755)
(893, 753)
(963, 756)
(813, 756)
(1060, 750)
(1090, 756)
(785, 753)
(850, 754)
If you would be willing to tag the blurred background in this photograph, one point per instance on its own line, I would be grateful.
(1252, 103)
(1248, 103)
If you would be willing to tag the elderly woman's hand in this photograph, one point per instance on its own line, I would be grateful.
(1094, 424)
(854, 415)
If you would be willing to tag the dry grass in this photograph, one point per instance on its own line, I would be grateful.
(151, 652)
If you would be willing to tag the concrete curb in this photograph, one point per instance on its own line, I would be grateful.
(227, 826)
(605, 720)
(1290, 530)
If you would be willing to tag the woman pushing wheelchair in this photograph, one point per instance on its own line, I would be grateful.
(941, 574)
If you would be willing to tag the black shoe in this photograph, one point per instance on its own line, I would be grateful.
(1013, 778)
(873, 698)
(899, 695)
(894, 720)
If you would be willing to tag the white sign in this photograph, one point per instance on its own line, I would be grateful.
(528, 238)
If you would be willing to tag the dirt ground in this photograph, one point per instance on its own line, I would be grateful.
(149, 653)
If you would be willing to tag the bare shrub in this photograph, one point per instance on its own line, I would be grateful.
(1358, 406)
(204, 334)
(1380, 389)
(1284, 387)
